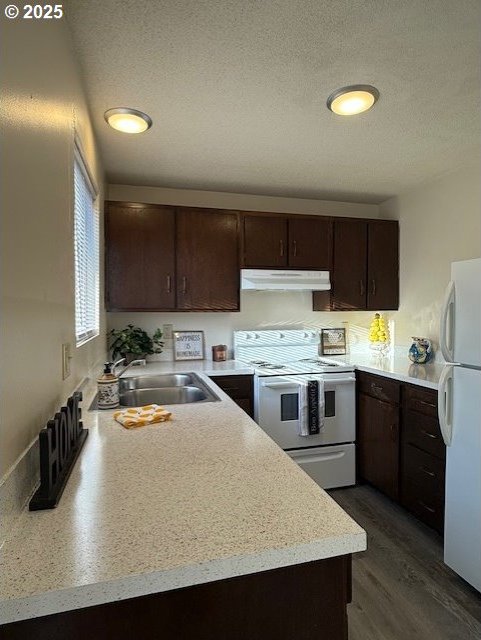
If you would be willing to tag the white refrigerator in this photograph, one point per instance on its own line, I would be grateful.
(459, 405)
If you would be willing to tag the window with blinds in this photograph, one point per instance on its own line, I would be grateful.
(86, 239)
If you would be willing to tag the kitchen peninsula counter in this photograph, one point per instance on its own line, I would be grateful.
(205, 497)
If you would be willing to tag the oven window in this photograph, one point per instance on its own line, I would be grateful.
(330, 404)
(289, 406)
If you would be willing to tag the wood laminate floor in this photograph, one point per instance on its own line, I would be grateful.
(402, 590)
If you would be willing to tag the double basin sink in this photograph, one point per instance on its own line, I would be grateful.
(174, 388)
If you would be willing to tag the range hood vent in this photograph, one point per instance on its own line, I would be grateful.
(284, 280)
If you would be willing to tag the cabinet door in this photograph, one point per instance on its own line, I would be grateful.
(349, 270)
(378, 442)
(140, 263)
(240, 389)
(265, 241)
(383, 265)
(310, 243)
(208, 271)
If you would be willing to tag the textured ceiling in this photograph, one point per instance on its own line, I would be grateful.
(237, 92)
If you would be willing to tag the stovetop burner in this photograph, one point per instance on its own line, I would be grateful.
(320, 361)
(267, 365)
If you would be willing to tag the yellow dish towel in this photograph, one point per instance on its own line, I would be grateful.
(140, 416)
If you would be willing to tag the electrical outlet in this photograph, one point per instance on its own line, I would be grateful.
(167, 331)
(66, 357)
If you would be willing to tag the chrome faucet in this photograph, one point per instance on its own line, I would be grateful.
(134, 363)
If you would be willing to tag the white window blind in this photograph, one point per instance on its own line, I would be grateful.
(86, 238)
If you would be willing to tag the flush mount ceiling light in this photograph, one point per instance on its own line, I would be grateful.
(128, 120)
(352, 100)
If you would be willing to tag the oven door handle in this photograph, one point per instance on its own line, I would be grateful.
(322, 457)
(329, 381)
(280, 385)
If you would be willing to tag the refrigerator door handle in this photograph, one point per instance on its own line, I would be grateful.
(445, 404)
(446, 333)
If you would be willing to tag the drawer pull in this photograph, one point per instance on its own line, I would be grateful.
(393, 429)
(431, 474)
(294, 245)
(376, 387)
(429, 435)
(281, 248)
(427, 404)
(425, 506)
(230, 389)
(361, 288)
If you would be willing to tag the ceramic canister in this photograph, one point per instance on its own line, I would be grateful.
(108, 389)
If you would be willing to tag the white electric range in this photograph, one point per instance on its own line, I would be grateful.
(283, 361)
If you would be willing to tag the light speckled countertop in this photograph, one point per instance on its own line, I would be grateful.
(204, 497)
(399, 368)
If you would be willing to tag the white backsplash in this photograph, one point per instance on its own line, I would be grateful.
(261, 310)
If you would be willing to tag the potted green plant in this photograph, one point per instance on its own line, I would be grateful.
(133, 343)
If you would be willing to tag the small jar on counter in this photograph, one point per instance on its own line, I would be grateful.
(108, 388)
(219, 352)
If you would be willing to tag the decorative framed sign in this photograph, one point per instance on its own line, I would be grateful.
(188, 345)
(333, 342)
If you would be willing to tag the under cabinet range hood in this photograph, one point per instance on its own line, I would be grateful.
(284, 280)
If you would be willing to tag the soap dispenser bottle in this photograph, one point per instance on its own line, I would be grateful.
(108, 388)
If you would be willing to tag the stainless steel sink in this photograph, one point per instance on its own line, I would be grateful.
(166, 395)
(175, 388)
(157, 382)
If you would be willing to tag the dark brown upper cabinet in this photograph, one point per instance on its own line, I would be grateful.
(365, 271)
(208, 275)
(265, 241)
(161, 258)
(310, 241)
(140, 257)
(277, 240)
(349, 277)
(382, 265)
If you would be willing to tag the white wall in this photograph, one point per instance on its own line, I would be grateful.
(440, 222)
(243, 202)
(42, 103)
(258, 309)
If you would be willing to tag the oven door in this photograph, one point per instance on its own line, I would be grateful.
(277, 410)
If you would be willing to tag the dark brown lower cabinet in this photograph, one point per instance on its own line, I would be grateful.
(240, 389)
(305, 601)
(400, 448)
(422, 486)
(378, 441)
(423, 457)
